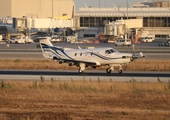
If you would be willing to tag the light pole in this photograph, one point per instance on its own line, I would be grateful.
(127, 8)
(99, 3)
(127, 16)
(52, 27)
(52, 9)
(124, 23)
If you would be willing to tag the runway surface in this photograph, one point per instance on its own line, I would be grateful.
(30, 51)
(88, 75)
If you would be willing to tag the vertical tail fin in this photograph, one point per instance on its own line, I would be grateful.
(45, 41)
(46, 45)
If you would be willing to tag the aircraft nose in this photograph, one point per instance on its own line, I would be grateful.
(127, 55)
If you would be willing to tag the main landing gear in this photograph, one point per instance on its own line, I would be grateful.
(82, 67)
(111, 68)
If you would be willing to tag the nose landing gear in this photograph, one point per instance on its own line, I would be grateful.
(120, 69)
(111, 68)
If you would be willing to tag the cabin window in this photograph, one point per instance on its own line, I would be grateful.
(75, 54)
(80, 54)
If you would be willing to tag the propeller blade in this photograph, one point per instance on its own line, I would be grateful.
(133, 47)
(141, 55)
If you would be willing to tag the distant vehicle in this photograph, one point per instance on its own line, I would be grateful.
(111, 41)
(28, 40)
(168, 37)
(148, 39)
(70, 39)
(56, 39)
(16, 40)
(36, 38)
(123, 42)
(167, 43)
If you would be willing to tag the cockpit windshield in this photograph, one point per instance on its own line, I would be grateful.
(110, 51)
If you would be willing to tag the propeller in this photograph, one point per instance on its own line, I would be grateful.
(134, 56)
(133, 47)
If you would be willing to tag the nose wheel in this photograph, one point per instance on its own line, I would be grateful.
(120, 69)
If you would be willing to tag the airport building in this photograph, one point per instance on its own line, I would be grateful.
(36, 8)
(142, 18)
(155, 19)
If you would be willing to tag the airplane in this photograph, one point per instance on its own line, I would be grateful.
(82, 58)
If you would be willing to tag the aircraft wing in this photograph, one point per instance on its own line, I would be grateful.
(75, 62)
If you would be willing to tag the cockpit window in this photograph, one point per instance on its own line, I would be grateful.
(108, 52)
(112, 51)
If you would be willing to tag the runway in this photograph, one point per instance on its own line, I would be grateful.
(88, 75)
(31, 52)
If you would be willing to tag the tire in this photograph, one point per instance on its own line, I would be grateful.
(108, 70)
(120, 71)
(80, 71)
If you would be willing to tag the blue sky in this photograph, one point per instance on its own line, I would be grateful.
(103, 3)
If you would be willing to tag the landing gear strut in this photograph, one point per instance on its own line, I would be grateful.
(82, 67)
(120, 69)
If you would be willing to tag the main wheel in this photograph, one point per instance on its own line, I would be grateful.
(120, 71)
(80, 71)
(108, 70)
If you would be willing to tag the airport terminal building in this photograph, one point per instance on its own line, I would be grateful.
(155, 18)
(36, 8)
(152, 18)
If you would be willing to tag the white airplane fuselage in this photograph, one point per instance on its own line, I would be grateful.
(97, 55)
(94, 57)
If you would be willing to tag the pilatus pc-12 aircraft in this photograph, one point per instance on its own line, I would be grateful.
(87, 57)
